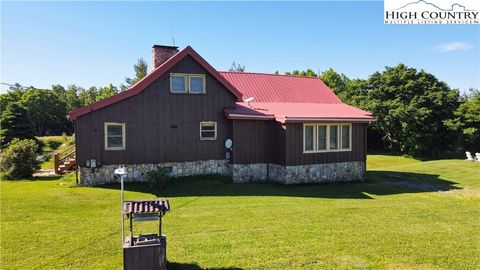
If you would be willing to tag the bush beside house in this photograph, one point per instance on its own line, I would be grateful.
(18, 160)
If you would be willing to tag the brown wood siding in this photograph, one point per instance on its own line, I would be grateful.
(252, 141)
(279, 146)
(258, 142)
(151, 118)
(294, 148)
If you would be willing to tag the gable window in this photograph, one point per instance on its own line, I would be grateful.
(197, 83)
(115, 136)
(178, 83)
(327, 137)
(187, 83)
(208, 130)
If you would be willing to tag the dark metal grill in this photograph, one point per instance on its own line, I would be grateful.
(146, 206)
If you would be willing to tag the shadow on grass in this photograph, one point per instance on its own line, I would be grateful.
(195, 266)
(378, 183)
(39, 178)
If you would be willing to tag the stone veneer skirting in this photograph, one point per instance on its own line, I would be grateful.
(314, 173)
(138, 172)
(240, 173)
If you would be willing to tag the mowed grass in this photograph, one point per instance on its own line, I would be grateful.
(409, 214)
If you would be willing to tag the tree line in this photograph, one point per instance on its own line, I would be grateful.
(26, 112)
(416, 113)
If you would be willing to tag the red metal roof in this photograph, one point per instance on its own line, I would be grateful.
(298, 112)
(281, 97)
(281, 88)
(151, 77)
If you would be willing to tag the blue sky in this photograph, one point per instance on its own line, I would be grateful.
(96, 43)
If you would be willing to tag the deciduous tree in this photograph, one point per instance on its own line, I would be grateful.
(46, 112)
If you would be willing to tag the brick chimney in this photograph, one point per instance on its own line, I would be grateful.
(161, 53)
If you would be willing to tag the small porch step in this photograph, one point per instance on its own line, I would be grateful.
(65, 161)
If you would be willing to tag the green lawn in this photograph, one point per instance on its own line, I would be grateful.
(408, 215)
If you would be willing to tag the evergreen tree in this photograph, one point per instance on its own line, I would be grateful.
(141, 70)
(237, 67)
(15, 124)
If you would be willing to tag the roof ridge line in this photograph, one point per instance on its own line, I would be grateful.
(270, 74)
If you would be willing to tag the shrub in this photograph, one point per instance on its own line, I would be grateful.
(158, 178)
(70, 140)
(46, 157)
(18, 160)
(53, 143)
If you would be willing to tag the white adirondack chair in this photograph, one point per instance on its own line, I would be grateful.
(477, 155)
(469, 156)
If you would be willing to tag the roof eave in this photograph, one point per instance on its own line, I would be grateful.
(238, 116)
(328, 119)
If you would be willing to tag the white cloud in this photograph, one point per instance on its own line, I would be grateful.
(453, 46)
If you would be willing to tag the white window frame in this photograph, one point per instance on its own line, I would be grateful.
(313, 138)
(339, 137)
(215, 131)
(326, 137)
(124, 136)
(187, 77)
(349, 137)
(204, 84)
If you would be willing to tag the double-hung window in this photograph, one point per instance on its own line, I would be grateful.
(326, 137)
(187, 83)
(115, 136)
(208, 130)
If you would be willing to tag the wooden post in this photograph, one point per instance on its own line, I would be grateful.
(56, 162)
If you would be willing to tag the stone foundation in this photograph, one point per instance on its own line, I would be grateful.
(315, 173)
(138, 172)
(240, 173)
(321, 173)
